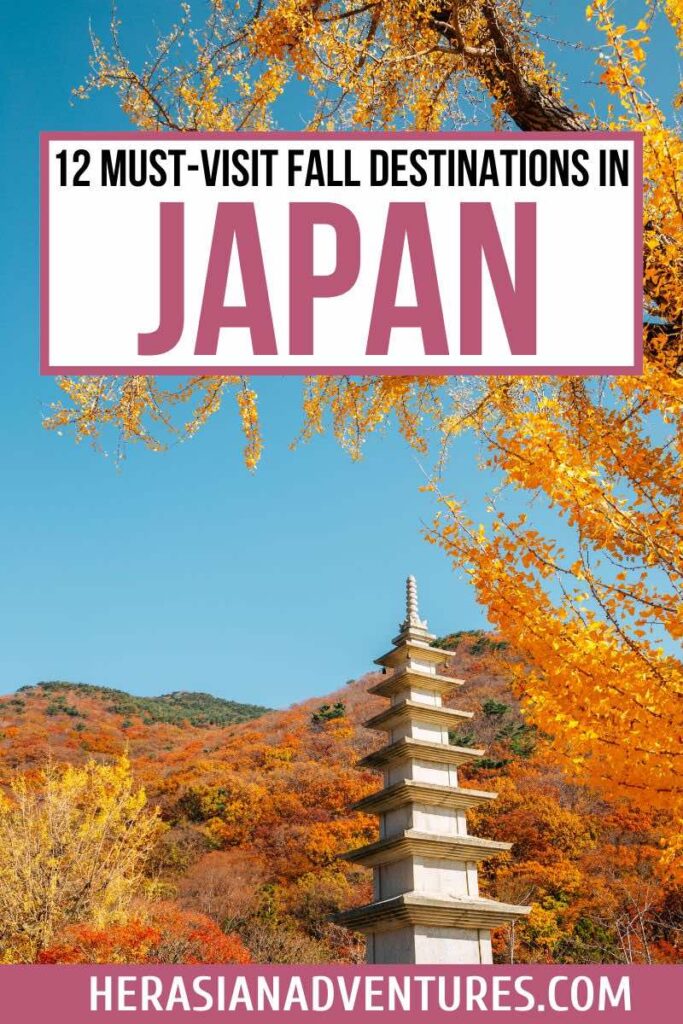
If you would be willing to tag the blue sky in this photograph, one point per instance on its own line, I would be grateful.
(182, 570)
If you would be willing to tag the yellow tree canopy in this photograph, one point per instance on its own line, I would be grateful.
(73, 845)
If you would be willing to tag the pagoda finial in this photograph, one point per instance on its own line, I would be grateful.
(412, 610)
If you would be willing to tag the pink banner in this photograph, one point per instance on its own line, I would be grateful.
(86, 994)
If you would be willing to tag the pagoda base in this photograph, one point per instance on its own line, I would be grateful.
(421, 944)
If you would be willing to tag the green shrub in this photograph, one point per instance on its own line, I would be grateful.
(326, 712)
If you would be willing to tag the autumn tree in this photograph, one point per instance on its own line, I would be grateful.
(225, 885)
(597, 620)
(73, 843)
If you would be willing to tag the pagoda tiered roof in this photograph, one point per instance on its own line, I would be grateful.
(407, 711)
(406, 678)
(429, 794)
(409, 648)
(419, 908)
(420, 750)
(426, 844)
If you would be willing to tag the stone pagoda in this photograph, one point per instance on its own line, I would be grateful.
(426, 908)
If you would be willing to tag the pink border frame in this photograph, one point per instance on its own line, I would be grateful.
(46, 368)
(60, 993)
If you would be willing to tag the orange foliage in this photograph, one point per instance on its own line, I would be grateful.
(257, 814)
(166, 935)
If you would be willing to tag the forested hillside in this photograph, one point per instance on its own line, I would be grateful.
(182, 706)
(252, 816)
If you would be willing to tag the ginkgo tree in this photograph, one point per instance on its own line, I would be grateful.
(74, 842)
(596, 623)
